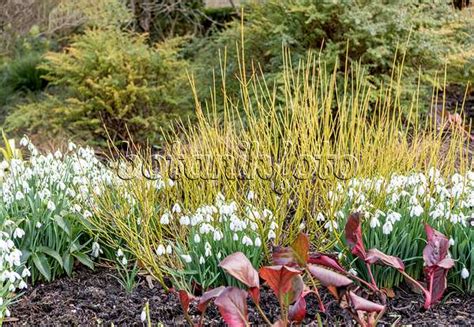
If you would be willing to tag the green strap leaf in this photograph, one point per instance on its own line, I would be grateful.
(41, 263)
(68, 263)
(84, 259)
(63, 224)
(52, 253)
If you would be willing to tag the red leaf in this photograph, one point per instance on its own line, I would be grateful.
(375, 255)
(208, 296)
(329, 277)
(297, 254)
(437, 247)
(283, 256)
(185, 298)
(285, 282)
(437, 265)
(361, 304)
(232, 304)
(353, 232)
(297, 311)
(301, 249)
(238, 266)
(326, 261)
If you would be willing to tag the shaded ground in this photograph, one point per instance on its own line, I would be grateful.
(98, 299)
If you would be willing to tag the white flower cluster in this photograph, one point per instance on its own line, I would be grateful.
(221, 226)
(11, 270)
(56, 180)
(416, 195)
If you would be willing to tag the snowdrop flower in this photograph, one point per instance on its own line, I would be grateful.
(464, 273)
(387, 227)
(165, 218)
(250, 196)
(271, 235)
(374, 222)
(18, 233)
(19, 196)
(267, 213)
(207, 249)
(197, 238)
(119, 253)
(353, 271)
(176, 208)
(160, 250)
(331, 225)
(71, 146)
(187, 258)
(247, 241)
(87, 214)
(258, 242)
(205, 228)
(96, 250)
(22, 285)
(235, 237)
(124, 261)
(394, 216)
(169, 249)
(24, 141)
(143, 315)
(218, 235)
(320, 217)
(416, 211)
(51, 206)
(25, 273)
(184, 220)
(273, 225)
(202, 260)
(451, 242)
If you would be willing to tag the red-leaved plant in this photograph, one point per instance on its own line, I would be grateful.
(292, 264)
(435, 255)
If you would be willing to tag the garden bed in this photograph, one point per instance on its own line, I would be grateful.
(94, 298)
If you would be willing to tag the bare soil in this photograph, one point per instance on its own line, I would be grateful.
(96, 298)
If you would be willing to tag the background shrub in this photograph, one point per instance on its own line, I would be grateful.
(109, 81)
(379, 34)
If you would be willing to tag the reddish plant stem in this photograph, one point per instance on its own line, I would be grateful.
(374, 284)
(321, 304)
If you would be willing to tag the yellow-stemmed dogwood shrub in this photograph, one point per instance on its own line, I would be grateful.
(288, 147)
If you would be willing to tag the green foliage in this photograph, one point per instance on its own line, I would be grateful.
(109, 82)
(68, 16)
(23, 73)
(419, 34)
(20, 76)
(127, 277)
(46, 197)
(396, 210)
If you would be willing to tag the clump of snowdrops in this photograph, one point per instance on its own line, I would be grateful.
(48, 196)
(213, 232)
(396, 209)
(147, 218)
(12, 271)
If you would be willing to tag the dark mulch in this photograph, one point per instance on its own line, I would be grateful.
(98, 299)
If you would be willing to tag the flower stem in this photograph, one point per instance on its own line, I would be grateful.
(264, 316)
(321, 304)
